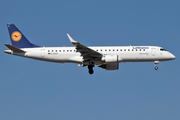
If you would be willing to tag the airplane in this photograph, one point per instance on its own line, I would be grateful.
(106, 57)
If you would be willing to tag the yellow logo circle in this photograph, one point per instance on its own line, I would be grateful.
(16, 36)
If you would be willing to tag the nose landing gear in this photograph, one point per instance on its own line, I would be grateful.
(156, 68)
(155, 63)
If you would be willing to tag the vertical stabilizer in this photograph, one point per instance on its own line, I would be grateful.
(18, 39)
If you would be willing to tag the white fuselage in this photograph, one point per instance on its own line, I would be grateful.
(106, 57)
(124, 53)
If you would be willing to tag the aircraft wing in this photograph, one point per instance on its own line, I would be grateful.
(86, 52)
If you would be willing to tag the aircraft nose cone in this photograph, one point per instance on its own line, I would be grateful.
(172, 56)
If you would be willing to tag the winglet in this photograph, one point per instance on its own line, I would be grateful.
(70, 38)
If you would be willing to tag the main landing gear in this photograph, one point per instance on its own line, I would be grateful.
(155, 63)
(90, 67)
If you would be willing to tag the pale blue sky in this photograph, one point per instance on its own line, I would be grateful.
(34, 90)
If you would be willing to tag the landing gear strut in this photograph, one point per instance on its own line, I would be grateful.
(155, 63)
(90, 67)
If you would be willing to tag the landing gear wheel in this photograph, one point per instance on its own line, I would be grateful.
(91, 71)
(90, 67)
(156, 68)
(155, 63)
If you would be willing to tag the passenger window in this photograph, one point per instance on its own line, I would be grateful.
(128, 50)
(109, 50)
(63, 50)
(52, 50)
(48, 50)
(117, 49)
(67, 50)
(144, 49)
(70, 50)
(132, 49)
(56, 50)
(124, 49)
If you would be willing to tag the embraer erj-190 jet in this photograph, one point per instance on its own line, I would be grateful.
(106, 57)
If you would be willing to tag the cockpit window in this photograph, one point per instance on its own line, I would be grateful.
(162, 49)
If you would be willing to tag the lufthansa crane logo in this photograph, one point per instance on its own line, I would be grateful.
(16, 36)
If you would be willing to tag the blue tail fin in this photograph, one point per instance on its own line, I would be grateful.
(18, 39)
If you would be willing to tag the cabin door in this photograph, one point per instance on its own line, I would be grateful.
(42, 52)
(153, 51)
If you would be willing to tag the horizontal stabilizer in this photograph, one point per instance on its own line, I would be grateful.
(14, 49)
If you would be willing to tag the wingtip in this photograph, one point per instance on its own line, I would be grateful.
(70, 38)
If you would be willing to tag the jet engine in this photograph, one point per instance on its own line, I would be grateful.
(114, 66)
(110, 59)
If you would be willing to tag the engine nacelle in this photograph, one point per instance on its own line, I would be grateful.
(114, 66)
(110, 59)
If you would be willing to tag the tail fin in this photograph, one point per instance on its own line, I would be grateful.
(18, 39)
